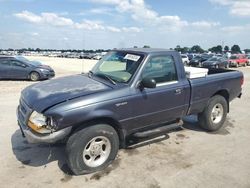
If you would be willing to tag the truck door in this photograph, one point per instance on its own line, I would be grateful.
(5, 68)
(164, 103)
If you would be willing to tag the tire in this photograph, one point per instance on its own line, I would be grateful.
(34, 76)
(214, 115)
(92, 149)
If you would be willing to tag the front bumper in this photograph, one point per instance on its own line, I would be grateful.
(48, 138)
(232, 63)
(23, 113)
(47, 75)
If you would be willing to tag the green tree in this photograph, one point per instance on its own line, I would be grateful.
(177, 48)
(146, 46)
(235, 49)
(226, 48)
(216, 49)
(197, 49)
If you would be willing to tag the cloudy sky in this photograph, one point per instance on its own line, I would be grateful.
(94, 24)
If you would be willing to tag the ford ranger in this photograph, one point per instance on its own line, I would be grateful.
(130, 94)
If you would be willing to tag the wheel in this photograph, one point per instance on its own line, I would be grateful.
(214, 115)
(92, 149)
(34, 76)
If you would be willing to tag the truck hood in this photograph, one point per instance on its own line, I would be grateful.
(42, 95)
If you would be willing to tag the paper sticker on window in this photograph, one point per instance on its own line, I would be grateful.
(132, 57)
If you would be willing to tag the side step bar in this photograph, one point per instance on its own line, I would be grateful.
(151, 134)
(157, 131)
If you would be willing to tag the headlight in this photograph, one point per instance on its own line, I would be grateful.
(44, 70)
(39, 123)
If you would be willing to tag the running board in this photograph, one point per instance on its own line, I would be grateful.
(157, 131)
(153, 133)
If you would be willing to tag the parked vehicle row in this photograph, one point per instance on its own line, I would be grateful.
(219, 61)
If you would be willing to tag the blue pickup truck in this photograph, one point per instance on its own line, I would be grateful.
(130, 94)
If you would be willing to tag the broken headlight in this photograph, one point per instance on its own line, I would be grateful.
(39, 123)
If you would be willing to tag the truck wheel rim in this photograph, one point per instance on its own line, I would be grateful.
(97, 151)
(217, 113)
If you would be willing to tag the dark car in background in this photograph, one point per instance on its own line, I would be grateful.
(197, 60)
(216, 62)
(18, 67)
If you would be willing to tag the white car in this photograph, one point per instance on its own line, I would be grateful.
(185, 59)
(248, 62)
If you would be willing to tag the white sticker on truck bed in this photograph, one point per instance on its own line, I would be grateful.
(132, 57)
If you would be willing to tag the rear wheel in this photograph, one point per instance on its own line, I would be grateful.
(92, 149)
(214, 115)
(34, 76)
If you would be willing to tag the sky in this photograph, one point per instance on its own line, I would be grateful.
(108, 24)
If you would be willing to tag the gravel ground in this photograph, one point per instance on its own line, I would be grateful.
(189, 157)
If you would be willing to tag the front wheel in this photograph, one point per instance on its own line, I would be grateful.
(92, 149)
(34, 76)
(214, 115)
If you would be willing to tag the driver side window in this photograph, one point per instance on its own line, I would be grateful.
(17, 64)
(161, 69)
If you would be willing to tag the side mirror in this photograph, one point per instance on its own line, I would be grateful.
(148, 83)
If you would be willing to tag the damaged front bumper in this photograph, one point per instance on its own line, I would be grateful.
(41, 138)
(23, 112)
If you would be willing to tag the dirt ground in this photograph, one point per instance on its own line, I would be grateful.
(189, 157)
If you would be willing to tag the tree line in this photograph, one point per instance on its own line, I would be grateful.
(216, 49)
(194, 49)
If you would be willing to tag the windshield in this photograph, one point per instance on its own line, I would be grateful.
(21, 58)
(234, 57)
(119, 66)
(36, 63)
(213, 59)
(197, 57)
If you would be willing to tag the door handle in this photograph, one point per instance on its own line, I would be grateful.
(178, 91)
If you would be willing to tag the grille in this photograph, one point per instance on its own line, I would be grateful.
(24, 112)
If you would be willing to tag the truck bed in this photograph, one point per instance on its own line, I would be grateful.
(224, 81)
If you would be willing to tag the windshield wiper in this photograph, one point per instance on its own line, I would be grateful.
(106, 77)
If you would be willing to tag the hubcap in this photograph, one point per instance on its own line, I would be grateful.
(217, 113)
(34, 76)
(97, 151)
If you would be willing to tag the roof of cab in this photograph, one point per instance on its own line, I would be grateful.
(146, 50)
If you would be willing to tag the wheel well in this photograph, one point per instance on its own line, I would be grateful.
(103, 120)
(225, 94)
